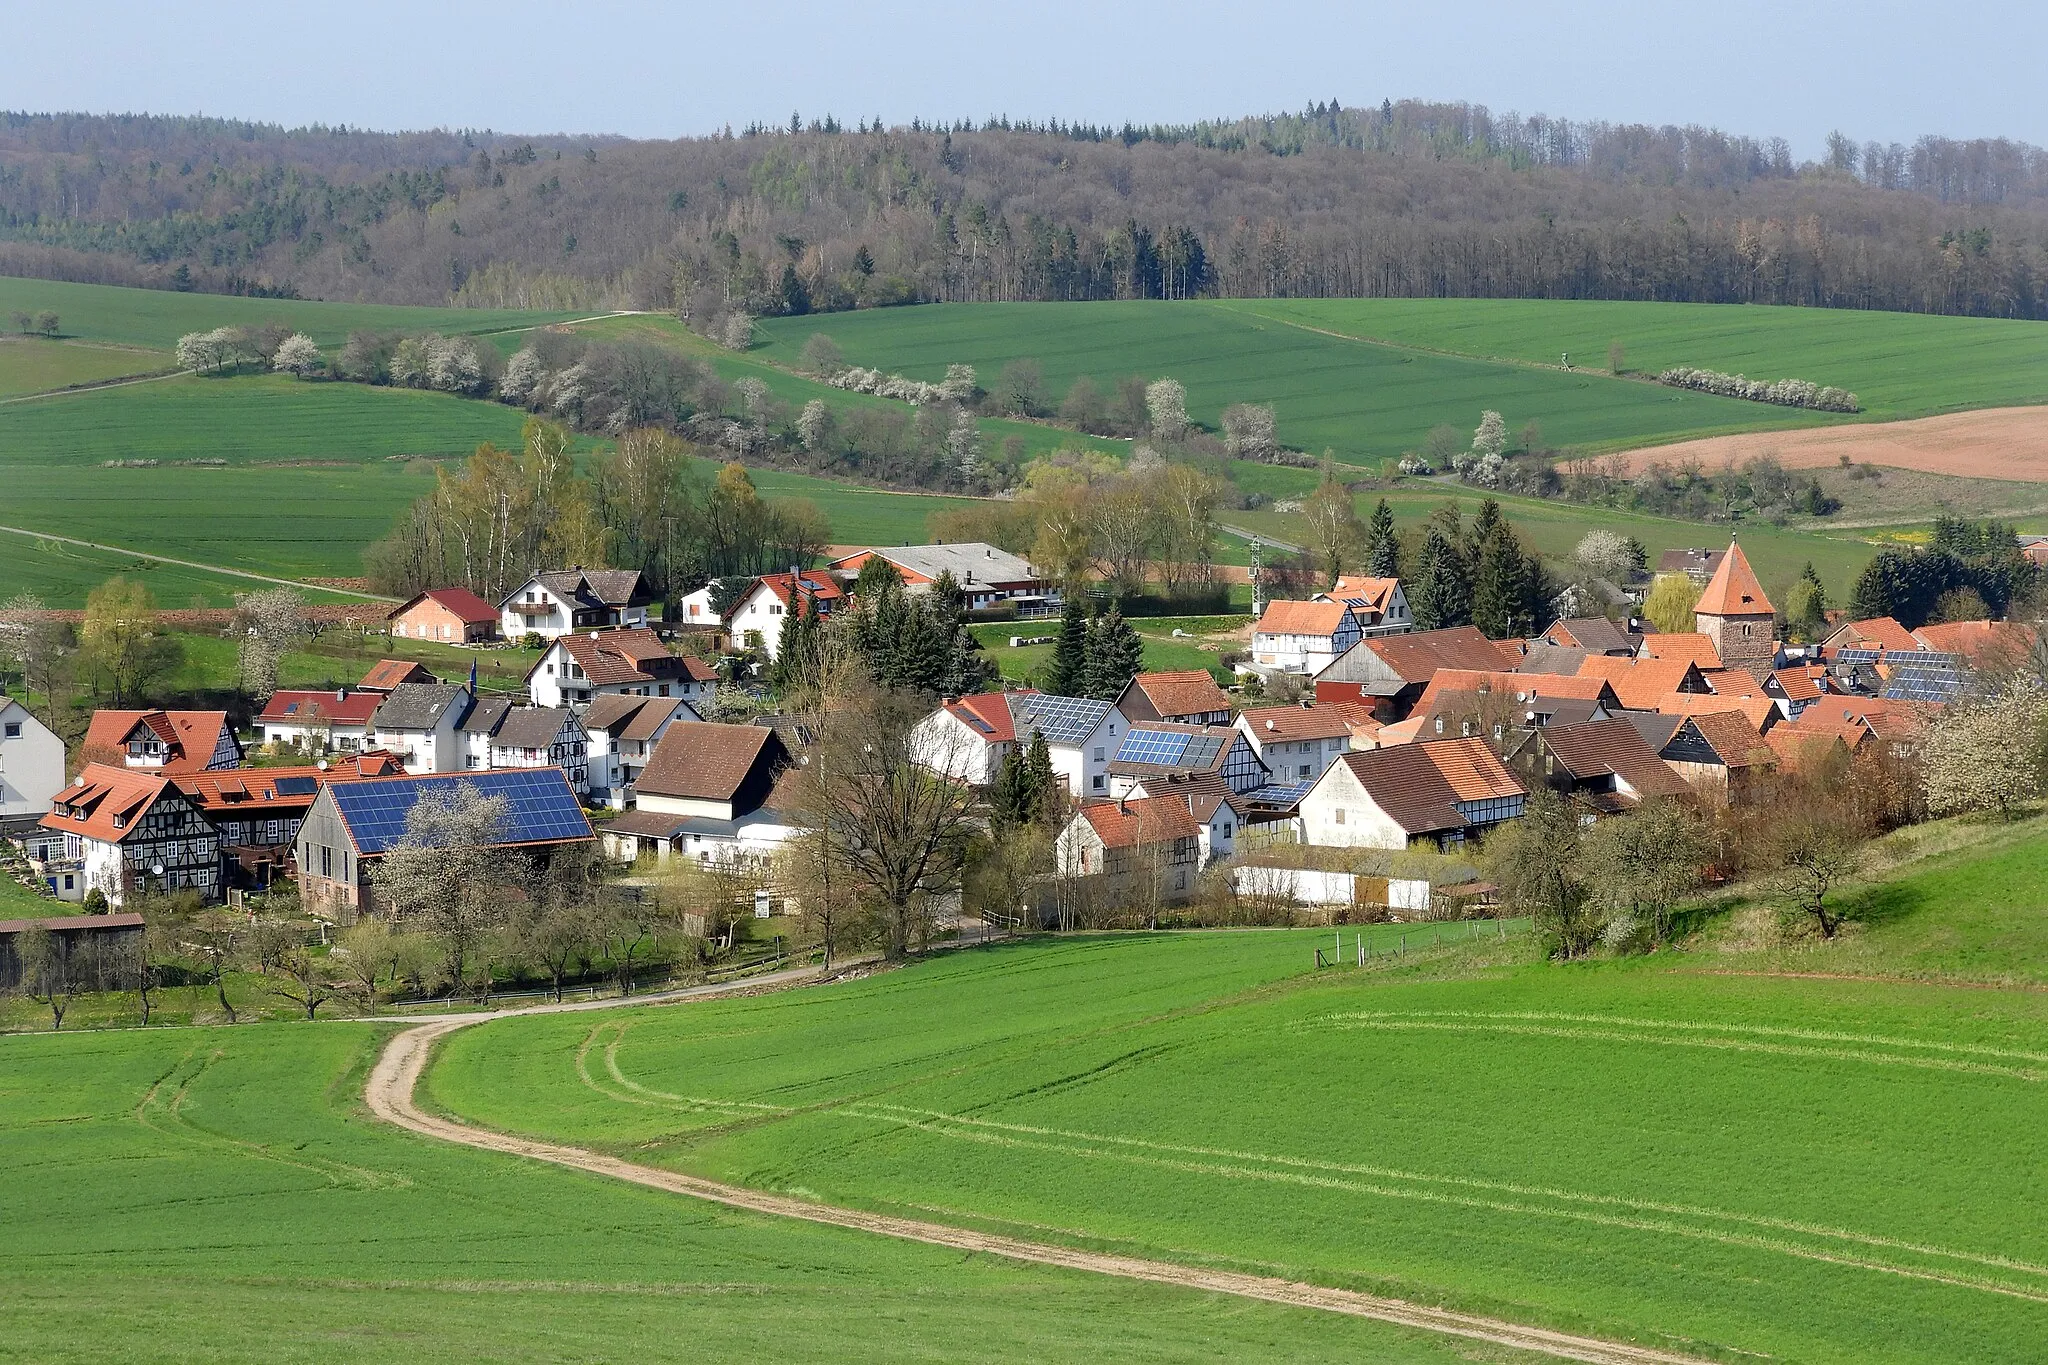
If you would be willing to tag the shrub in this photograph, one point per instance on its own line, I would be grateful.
(1788, 393)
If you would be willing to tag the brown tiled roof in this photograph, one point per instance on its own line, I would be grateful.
(1973, 639)
(1560, 660)
(1295, 722)
(646, 824)
(1799, 749)
(189, 737)
(626, 656)
(1733, 738)
(386, 674)
(1146, 820)
(1888, 719)
(340, 707)
(1594, 633)
(103, 793)
(1879, 632)
(703, 761)
(1418, 785)
(531, 727)
(609, 587)
(1640, 683)
(1302, 618)
(1416, 657)
(1734, 591)
(1188, 693)
(656, 712)
(1601, 747)
(1682, 644)
(612, 709)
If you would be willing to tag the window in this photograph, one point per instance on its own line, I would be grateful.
(1227, 831)
(1439, 724)
(1337, 816)
(326, 861)
(1302, 771)
(1099, 753)
(68, 883)
(1098, 782)
(664, 689)
(14, 729)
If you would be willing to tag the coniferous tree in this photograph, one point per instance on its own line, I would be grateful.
(1044, 781)
(1881, 588)
(1011, 798)
(1499, 586)
(1115, 656)
(1067, 675)
(1442, 595)
(1483, 523)
(1382, 546)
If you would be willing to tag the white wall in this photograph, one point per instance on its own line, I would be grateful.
(1337, 813)
(31, 763)
(945, 744)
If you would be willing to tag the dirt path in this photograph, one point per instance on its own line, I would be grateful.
(192, 564)
(389, 1094)
(1990, 443)
(94, 387)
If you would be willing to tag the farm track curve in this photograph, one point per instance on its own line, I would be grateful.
(389, 1095)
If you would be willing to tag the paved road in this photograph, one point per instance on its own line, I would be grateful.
(389, 1094)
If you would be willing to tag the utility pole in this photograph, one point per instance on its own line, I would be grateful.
(1258, 589)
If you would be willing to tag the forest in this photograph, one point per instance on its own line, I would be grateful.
(1407, 198)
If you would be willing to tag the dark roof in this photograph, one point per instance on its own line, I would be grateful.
(532, 727)
(1656, 728)
(1157, 746)
(419, 706)
(1419, 786)
(63, 924)
(595, 587)
(1614, 747)
(1739, 743)
(1062, 720)
(540, 807)
(1595, 633)
(1415, 658)
(1562, 660)
(704, 761)
(487, 715)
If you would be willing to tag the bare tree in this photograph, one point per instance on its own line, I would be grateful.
(306, 978)
(48, 973)
(1816, 844)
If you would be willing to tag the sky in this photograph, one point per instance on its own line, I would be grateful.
(1880, 69)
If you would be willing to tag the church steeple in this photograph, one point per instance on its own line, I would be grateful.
(1737, 616)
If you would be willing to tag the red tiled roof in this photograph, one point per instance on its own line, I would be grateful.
(1973, 639)
(1734, 590)
(986, 715)
(1302, 618)
(1879, 632)
(1799, 750)
(1640, 683)
(821, 586)
(386, 674)
(1188, 693)
(102, 794)
(189, 737)
(466, 606)
(343, 707)
(1733, 738)
(1888, 719)
(1759, 710)
(629, 654)
(1802, 683)
(1682, 644)
(1146, 820)
(1587, 688)
(1269, 723)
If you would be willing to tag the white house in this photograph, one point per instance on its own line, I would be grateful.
(622, 732)
(1383, 798)
(123, 830)
(560, 601)
(704, 794)
(1377, 604)
(986, 576)
(966, 738)
(163, 741)
(421, 723)
(318, 720)
(496, 734)
(577, 669)
(31, 761)
(755, 621)
(1296, 743)
(1303, 637)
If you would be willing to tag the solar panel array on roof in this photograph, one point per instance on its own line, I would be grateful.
(1904, 658)
(1279, 793)
(296, 786)
(1169, 748)
(539, 805)
(1064, 720)
(1924, 683)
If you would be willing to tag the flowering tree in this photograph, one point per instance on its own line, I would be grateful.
(214, 352)
(814, 424)
(1491, 437)
(738, 332)
(297, 355)
(1607, 554)
(1986, 755)
(1166, 404)
(1251, 431)
(524, 374)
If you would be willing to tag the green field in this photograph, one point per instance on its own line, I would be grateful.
(184, 1195)
(1728, 1165)
(1366, 401)
(1163, 652)
(61, 575)
(1897, 364)
(35, 365)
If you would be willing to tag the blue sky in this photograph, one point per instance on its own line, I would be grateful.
(1879, 69)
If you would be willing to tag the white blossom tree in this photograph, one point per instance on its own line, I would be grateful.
(1606, 554)
(1987, 754)
(1251, 430)
(273, 621)
(738, 332)
(1166, 404)
(297, 355)
(1491, 437)
(454, 365)
(814, 424)
(963, 443)
(213, 352)
(523, 376)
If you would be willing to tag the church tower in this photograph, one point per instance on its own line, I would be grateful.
(1734, 613)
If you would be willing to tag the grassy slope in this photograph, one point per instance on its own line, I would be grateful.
(1368, 402)
(220, 1195)
(1709, 1162)
(1898, 364)
(62, 574)
(34, 365)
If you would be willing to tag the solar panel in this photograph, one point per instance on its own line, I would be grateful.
(539, 805)
(297, 786)
(1279, 793)
(1921, 683)
(1858, 656)
(1161, 748)
(1065, 719)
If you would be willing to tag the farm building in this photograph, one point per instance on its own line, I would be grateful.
(31, 763)
(387, 675)
(125, 830)
(451, 616)
(1443, 790)
(317, 721)
(1606, 765)
(1303, 637)
(1389, 672)
(1189, 697)
(705, 794)
(73, 933)
(558, 602)
(352, 825)
(1145, 848)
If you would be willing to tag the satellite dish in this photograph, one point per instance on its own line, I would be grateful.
(156, 869)
(321, 765)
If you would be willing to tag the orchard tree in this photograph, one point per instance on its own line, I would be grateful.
(1491, 436)
(298, 355)
(1166, 406)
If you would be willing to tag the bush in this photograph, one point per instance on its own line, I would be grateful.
(1001, 611)
(1788, 393)
(532, 640)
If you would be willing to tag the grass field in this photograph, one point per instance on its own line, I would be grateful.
(62, 574)
(1726, 1165)
(1163, 652)
(1897, 364)
(1369, 402)
(221, 1195)
(35, 365)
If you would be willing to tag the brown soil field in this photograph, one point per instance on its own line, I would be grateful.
(1992, 443)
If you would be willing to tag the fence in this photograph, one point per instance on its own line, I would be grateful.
(1364, 949)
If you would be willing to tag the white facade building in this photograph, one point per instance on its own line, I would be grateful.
(31, 761)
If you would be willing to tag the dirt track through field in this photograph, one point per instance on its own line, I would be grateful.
(1991, 443)
(389, 1094)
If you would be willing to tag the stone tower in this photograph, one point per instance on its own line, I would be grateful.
(1734, 613)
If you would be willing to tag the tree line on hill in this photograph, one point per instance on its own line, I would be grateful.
(1969, 571)
(820, 216)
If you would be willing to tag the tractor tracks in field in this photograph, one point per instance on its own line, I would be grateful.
(389, 1095)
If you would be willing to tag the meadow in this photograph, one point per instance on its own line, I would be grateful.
(185, 1195)
(1723, 1164)
(39, 364)
(1367, 401)
(1199, 649)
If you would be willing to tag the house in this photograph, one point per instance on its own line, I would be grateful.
(115, 933)
(1639, 684)
(755, 621)
(1156, 750)
(318, 721)
(1442, 790)
(352, 825)
(496, 734)
(421, 723)
(162, 741)
(1803, 751)
(1142, 849)
(452, 616)
(1389, 672)
(1189, 697)
(255, 813)
(2034, 549)
(1735, 614)
(1295, 742)
(1980, 644)
(705, 794)
(1594, 634)
(1720, 755)
(1499, 715)
(1522, 689)
(1757, 707)
(31, 763)
(1377, 604)
(1800, 686)
(1898, 726)
(622, 732)
(1682, 644)
(1698, 565)
(697, 613)
(967, 738)
(1879, 633)
(126, 829)
(987, 576)
(386, 674)
(557, 602)
(1080, 735)
(1604, 764)
(1303, 637)
(577, 669)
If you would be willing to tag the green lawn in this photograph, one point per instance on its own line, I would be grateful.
(1368, 402)
(221, 1195)
(1162, 652)
(1898, 364)
(33, 365)
(340, 657)
(158, 317)
(1733, 1166)
(61, 575)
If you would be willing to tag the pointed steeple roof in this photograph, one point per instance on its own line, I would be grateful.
(1734, 590)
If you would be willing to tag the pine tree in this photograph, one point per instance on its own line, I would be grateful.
(1044, 782)
(1498, 591)
(1881, 589)
(1382, 546)
(1067, 675)
(1482, 527)
(1011, 800)
(795, 648)
(1115, 656)
(1442, 596)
